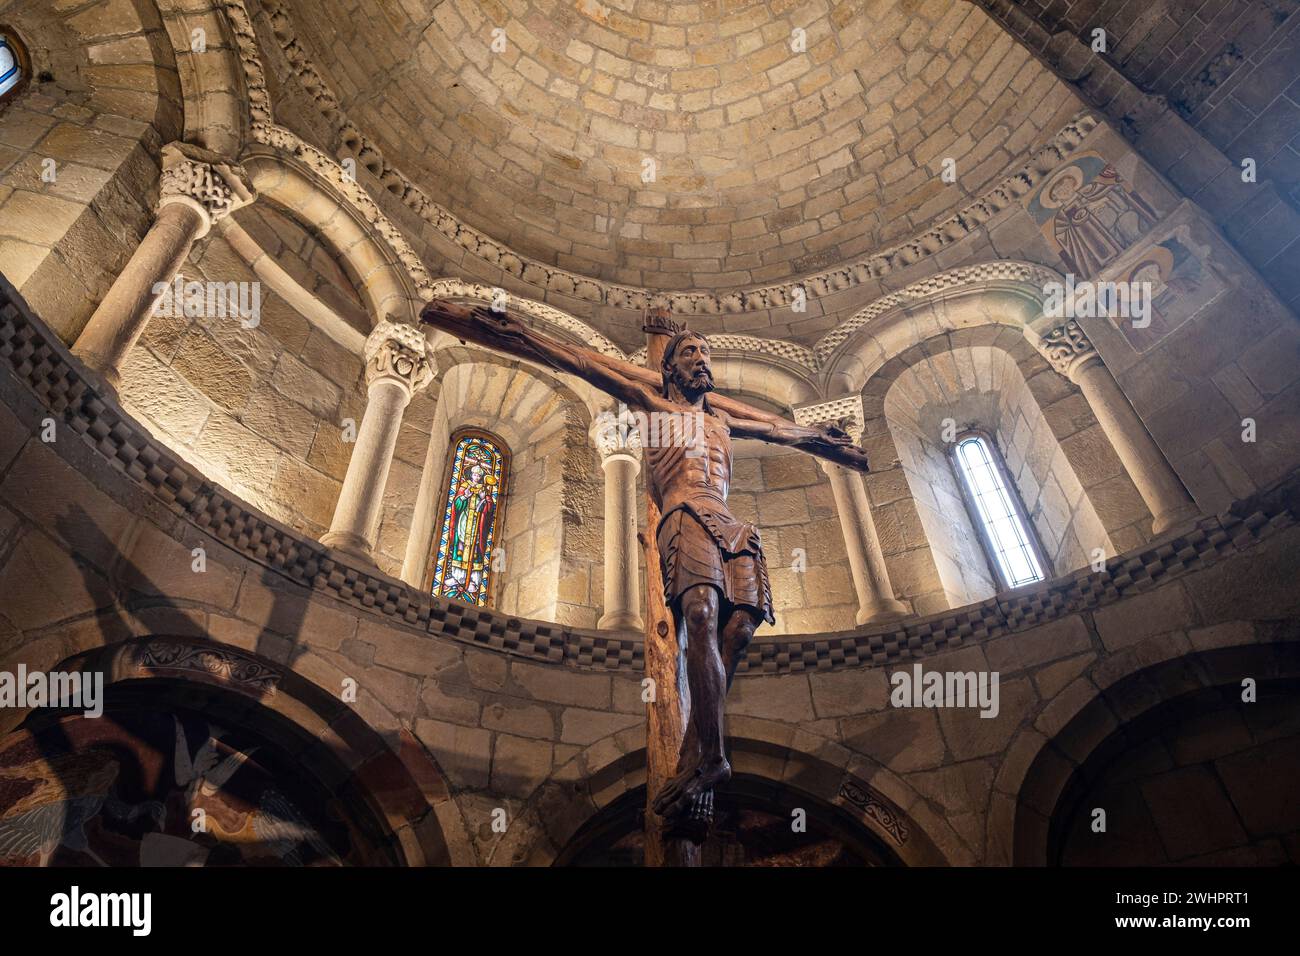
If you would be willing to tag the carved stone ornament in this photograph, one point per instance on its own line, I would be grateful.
(222, 663)
(877, 808)
(1066, 347)
(845, 413)
(395, 352)
(616, 432)
(204, 181)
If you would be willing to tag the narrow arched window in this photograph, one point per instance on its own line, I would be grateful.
(997, 512)
(15, 66)
(465, 560)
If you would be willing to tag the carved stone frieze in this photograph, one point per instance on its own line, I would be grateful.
(225, 663)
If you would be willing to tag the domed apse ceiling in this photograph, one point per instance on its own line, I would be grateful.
(775, 153)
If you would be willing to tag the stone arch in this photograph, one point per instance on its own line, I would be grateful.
(998, 293)
(878, 800)
(749, 373)
(1066, 470)
(385, 286)
(1044, 760)
(1057, 456)
(212, 82)
(396, 782)
(568, 325)
(553, 530)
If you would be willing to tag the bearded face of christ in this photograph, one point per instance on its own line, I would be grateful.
(688, 366)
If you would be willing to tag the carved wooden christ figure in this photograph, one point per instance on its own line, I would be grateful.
(715, 576)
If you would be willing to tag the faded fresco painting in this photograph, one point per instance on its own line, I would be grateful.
(161, 789)
(1089, 213)
(1179, 281)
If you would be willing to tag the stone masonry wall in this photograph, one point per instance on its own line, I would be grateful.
(79, 151)
(265, 409)
(1059, 503)
(788, 496)
(552, 743)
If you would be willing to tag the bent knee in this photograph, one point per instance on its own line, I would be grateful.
(741, 635)
(698, 616)
(699, 610)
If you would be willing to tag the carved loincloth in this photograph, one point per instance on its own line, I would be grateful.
(701, 542)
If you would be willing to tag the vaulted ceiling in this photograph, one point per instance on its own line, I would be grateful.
(686, 145)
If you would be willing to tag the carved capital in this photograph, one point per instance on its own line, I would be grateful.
(395, 353)
(1065, 345)
(204, 181)
(616, 433)
(845, 413)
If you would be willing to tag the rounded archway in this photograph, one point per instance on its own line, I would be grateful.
(757, 822)
(200, 754)
(858, 814)
(1187, 763)
(1204, 779)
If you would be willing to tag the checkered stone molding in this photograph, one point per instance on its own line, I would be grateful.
(728, 342)
(40, 364)
(845, 412)
(1027, 274)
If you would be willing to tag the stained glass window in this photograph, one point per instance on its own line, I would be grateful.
(12, 62)
(475, 499)
(993, 503)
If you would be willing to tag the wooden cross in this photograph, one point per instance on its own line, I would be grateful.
(643, 389)
(670, 708)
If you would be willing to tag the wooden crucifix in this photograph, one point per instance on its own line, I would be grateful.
(706, 576)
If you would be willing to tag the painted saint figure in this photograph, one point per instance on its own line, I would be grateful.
(473, 507)
(462, 564)
(1090, 214)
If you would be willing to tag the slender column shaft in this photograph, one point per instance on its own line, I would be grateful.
(197, 189)
(356, 516)
(419, 541)
(123, 314)
(1168, 500)
(396, 368)
(1068, 349)
(876, 599)
(622, 588)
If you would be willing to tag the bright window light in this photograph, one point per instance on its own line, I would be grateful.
(11, 72)
(1004, 528)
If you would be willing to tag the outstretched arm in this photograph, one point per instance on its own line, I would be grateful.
(633, 385)
(505, 333)
(824, 441)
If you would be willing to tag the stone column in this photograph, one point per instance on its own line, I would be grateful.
(396, 368)
(1068, 349)
(620, 451)
(876, 601)
(197, 189)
